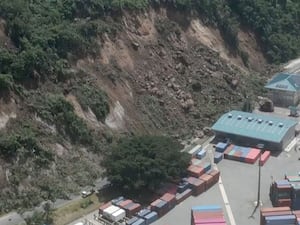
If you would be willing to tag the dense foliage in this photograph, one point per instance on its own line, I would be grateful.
(95, 99)
(146, 161)
(47, 34)
(54, 109)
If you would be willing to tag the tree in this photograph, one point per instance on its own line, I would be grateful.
(144, 162)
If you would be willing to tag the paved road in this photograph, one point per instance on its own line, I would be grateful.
(293, 66)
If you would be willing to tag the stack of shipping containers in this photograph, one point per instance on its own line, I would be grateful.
(277, 216)
(208, 215)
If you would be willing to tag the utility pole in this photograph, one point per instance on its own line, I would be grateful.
(260, 147)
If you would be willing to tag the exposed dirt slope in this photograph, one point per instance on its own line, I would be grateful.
(164, 77)
(163, 74)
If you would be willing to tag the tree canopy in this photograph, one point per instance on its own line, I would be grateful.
(144, 162)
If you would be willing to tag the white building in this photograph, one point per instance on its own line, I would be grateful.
(284, 89)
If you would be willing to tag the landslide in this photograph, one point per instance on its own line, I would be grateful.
(154, 72)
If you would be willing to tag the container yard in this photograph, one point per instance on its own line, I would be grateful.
(222, 177)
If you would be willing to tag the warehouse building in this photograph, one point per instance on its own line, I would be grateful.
(250, 129)
(284, 89)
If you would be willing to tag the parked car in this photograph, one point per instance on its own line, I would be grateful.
(85, 194)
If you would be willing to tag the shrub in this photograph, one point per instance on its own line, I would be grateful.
(96, 99)
(56, 110)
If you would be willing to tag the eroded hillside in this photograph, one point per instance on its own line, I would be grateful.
(162, 73)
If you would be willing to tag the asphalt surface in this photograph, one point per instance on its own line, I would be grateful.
(240, 181)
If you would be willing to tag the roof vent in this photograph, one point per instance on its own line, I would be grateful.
(239, 117)
(250, 119)
(280, 124)
(260, 120)
(270, 122)
(229, 115)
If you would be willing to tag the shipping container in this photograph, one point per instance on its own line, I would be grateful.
(195, 171)
(122, 204)
(104, 206)
(132, 220)
(180, 197)
(170, 199)
(221, 147)
(107, 213)
(194, 150)
(118, 199)
(182, 186)
(118, 215)
(143, 212)
(201, 154)
(206, 166)
(140, 221)
(218, 156)
(151, 217)
(133, 209)
(264, 157)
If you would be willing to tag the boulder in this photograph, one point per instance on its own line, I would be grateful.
(266, 105)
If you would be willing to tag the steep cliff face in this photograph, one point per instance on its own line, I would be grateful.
(163, 73)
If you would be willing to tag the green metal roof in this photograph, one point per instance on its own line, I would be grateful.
(286, 82)
(258, 126)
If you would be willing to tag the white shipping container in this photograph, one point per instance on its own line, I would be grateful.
(194, 150)
(107, 213)
(118, 215)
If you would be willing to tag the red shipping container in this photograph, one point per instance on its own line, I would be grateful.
(136, 207)
(237, 155)
(198, 187)
(124, 203)
(215, 174)
(252, 156)
(208, 179)
(277, 209)
(228, 149)
(285, 202)
(184, 195)
(170, 198)
(264, 157)
(104, 206)
(195, 171)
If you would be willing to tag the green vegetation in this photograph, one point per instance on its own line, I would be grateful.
(54, 109)
(47, 34)
(276, 22)
(24, 142)
(89, 96)
(145, 161)
(44, 217)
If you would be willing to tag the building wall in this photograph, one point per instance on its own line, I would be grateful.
(251, 142)
(288, 137)
(284, 98)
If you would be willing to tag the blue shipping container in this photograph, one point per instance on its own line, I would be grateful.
(218, 156)
(151, 217)
(161, 204)
(206, 166)
(132, 220)
(221, 147)
(182, 187)
(142, 213)
(118, 199)
(140, 221)
(207, 208)
(201, 154)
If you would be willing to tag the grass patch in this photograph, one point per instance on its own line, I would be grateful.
(74, 210)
